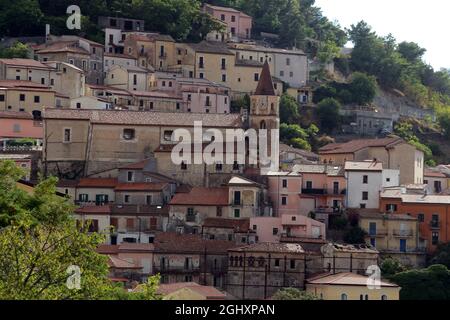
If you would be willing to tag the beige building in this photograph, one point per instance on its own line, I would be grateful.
(348, 258)
(127, 77)
(394, 153)
(394, 235)
(350, 286)
(19, 95)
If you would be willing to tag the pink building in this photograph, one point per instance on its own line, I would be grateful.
(238, 23)
(287, 228)
(285, 189)
(17, 125)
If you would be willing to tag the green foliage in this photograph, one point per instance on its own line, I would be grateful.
(240, 103)
(442, 255)
(39, 241)
(338, 222)
(293, 294)
(328, 51)
(328, 111)
(288, 109)
(405, 131)
(432, 283)
(20, 17)
(355, 235)
(362, 88)
(390, 267)
(297, 137)
(17, 50)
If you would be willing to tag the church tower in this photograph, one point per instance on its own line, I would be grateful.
(265, 114)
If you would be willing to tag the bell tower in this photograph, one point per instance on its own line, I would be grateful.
(265, 114)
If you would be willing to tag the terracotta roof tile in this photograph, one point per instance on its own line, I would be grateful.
(265, 84)
(136, 165)
(202, 197)
(121, 117)
(432, 173)
(239, 225)
(24, 63)
(355, 145)
(189, 243)
(15, 115)
(97, 183)
(94, 210)
(132, 209)
(345, 278)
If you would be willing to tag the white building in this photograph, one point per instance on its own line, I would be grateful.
(365, 181)
(124, 60)
(90, 102)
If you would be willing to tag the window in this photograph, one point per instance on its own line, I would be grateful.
(2, 97)
(237, 213)
(183, 165)
(391, 207)
(148, 199)
(285, 183)
(83, 197)
(292, 264)
(16, 127)
(277, 262)
(37, 99)
(126, 198)
(421, 217)
(365, 195)
(233, 18)
(17, 77)
(222, 17)
(200, 75)
(373, 242)
(201, 62)
(388, 179)
(219, 167)
(42, 80)
(22, 97)
(288, 61)
(344, 296)
(281, 73)
(135, 79)
(362, 206)
(233, 31)
(128, 134)
(224, 78)
(256, 76)
(190, 216)
(178, 106)
(168, 135)
(223, 64)
(291, 74)
(365, 179)
(283, 201)
(67, 135)
(384, 297)
(235, 165)
(309, 185)
(275, 231)
(130, 176)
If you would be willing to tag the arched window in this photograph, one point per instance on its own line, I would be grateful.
(384, 297)
(367, 297)
(361, 297)
(344, 296)
(263, 125)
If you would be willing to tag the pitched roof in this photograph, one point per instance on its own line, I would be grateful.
(22, 84)
(330, 170)
(356, 145)
(238, 225)
(209, 292)
(118, 263)
(122, 117)
(94, 210)
(189, 243)
(265, 84)
(143, 186)
(136, 165)
(200, 196)
(303, 153)
(16, 62)
(345, 278)
(363, 166)
(432, 173)
(133, 209)
(15, 115)
(211, 47)
(97, 183)
(271, 247)
(60, 46)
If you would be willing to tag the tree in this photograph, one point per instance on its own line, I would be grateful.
(328, 51)
(432, 283)
(328, 111)
(42, 246)
(363, 88)
(298, 137)
(390, 267)
(355, 235)
(288, 109)
(20, 17)
(411, 51)
(17, 50)
(293, 294)
(442, 255)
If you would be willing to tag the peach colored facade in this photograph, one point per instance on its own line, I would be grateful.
(327, 191)
(238, 23)
(20, 128)
(274, 229)
(284, 191)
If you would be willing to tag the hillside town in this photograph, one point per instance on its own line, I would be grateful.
(102, 117)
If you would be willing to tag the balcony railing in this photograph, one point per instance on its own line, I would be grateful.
(378, 233)
(163, 55)
(176, 269)
(237, 202)
(435, 224)
(403, 233)
(314, 191)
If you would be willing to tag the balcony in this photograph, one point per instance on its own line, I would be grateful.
(435, 225)
(315, 191)
(403, 233)
(201, 66)
(163, 55)
(165, 269)
(377, 233)
(237, 202)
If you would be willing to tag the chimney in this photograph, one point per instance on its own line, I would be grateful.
(47, 32)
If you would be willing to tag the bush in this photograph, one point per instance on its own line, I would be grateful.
(328, 111)
(293, 294)
(355, 235)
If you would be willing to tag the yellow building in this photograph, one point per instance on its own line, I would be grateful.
(394, 235)
(25, 96)
(351, 286)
